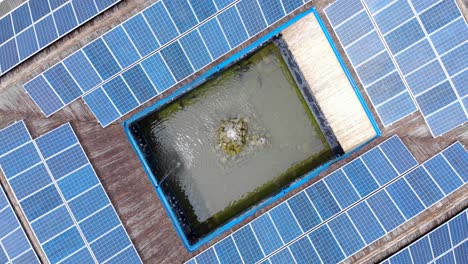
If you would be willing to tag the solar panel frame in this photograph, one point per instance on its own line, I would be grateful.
(45, 145)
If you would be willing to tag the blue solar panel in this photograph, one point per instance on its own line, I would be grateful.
(45, 31)
(8, 55)
(432, 73)
(457, 156)
(450, 36)
(439, 15)
(38, 9)
(64, 202)
(436, 98)
(59, 78)
(415, 57)
(232, 27)
(285, 256)
(27, 43)
(303, 252)
(441, 245)
(161, 23)
(455, 61)
(342, 189)
(13, 241)
(365, 48)
(387, 20)
(326, 245)
(282, 218)
(203, 8)
(208, 256)
(402, 194)
(181, 13)
(252, 16)
(366, 222)
(101, 58)
(272, 9)
(84, 9)
(247, 244)
(214, 38)
(291, 5)
(354, 28)
(379, 166)
(104, 4)
(43, 95)
(323, 200)
(177, 61)
(360, 177)
(82, 71)
(158, 72)
(121, 95)
(447, 119)
(424, 186)
(6, 27)
(141, 35)
(195, 49)
(139, 83)
(21, 18)
(346, 234)
(343, 10)
(266, 233)
(65, 19)
(121, 47)
(227, 251)
(101, 106)
(386, 210)
(304, 211)
(18, 131)
(413, 39)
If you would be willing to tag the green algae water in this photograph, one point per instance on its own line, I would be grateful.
(205, 186)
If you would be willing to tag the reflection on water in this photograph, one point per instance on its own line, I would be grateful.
(212, 187)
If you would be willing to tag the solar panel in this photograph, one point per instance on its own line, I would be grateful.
(36, 24)
(181, 37)
(15, 246)
(311, 208)
(372, 62)
(448, 243)
(390, 207)
(62, 197)
(417, 53)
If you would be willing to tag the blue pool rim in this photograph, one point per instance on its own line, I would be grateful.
(220, 230)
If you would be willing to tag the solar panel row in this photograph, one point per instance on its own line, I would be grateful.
(371, 61)
(15, 246)
(423, 43)
(62, 198)
(448, 243)
(312, 207)
(429, 44)
(169, 40)
(382, 212)
(36, 24)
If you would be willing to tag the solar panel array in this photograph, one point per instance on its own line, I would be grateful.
(313, 206)
(408, 46)
(448, 243)
(151, 52)
(383, 211)
(14, 244)
(62, 198)
(36, 24)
